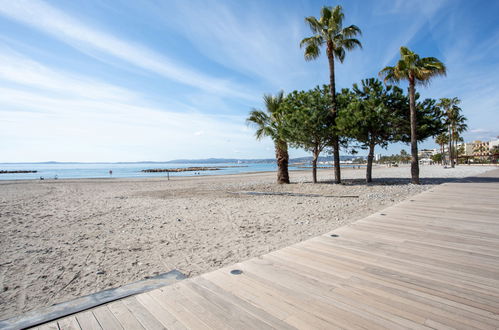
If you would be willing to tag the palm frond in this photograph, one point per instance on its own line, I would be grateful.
(351, 31)
(339, 53)
(314, 24)
(388, 74)
(312, 49)
(350, 44)
(337, 17)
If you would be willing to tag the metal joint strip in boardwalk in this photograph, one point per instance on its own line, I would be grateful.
(429, 262)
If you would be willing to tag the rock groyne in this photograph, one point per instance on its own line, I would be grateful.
(16, 171)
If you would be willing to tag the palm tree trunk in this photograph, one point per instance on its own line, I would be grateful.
(454, 151)
(370, 158)
(335, 139)
(282, 157)
(314, 164)
(442, 149)
(414, 137)
(450, 145)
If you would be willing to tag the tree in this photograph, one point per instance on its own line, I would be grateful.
(328, 30)
(417, 71)
(367, 119)
(442, 140)
(308, 119)
(456, 124)
(459, 126)
(447, 106)
(428, 116)
(270, 123)
(437, 158)
(404, 156)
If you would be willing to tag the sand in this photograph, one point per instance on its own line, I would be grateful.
(66, 238)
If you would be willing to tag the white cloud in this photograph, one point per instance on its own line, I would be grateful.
(18, 69)
(48, 114)
(74, 32)
(248, 41)
(479, 130)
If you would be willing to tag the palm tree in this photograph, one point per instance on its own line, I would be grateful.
(459, 126)
(442, 140)
(451, 111)
(417, 71)
(328, 30)
(270, 123)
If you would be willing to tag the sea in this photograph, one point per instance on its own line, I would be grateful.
(51, 171)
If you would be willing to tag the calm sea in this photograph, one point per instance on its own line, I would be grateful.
(131, 170)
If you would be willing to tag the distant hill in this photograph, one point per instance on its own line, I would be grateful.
(208, 161)
(257, 161)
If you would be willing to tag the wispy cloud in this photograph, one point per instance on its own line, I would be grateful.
(417, 15)
(51, 114)
(19, 69)
(76, 33)
(243, 37)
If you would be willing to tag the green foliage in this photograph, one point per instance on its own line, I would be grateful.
(329, 30)
(308, 119)
(437, 158)
(442, 139)
(413, 68)
(455, 121)
(367, 116)
(428, 116)
(403, 157)
(270, 122)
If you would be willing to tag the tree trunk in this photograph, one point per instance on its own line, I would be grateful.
(454, 151)
(370, 158)
(314, 165)
(334, 112)
(282, 157)
(450, 145)
(442, 149)
(414, 137)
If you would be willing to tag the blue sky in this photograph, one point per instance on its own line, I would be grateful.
(158, 80)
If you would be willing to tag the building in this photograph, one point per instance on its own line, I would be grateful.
(493, 144)
(481, 148)
(427, 153)
(477, 147)
(467, 148)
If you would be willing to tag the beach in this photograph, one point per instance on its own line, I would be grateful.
(61, 239)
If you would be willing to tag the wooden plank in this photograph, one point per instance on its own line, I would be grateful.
(49, 326)
(124, 316)
(183, 315)
(87, 320)
(159, 313)
(253, 310)
(69, 323)
(146, 319)
(106, 318)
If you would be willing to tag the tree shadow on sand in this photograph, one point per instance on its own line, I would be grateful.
(407, 181)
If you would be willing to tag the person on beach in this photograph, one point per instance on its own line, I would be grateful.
(110, 172)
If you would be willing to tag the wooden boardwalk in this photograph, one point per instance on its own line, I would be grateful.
(429, 262)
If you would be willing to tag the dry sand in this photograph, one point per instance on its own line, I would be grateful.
(66, 238)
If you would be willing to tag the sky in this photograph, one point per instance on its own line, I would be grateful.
(156, 80)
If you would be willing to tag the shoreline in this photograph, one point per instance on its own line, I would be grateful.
(80, 236)
(183, 177)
